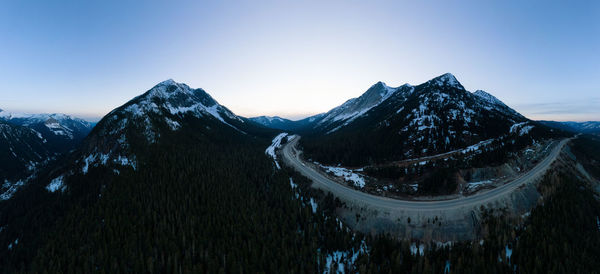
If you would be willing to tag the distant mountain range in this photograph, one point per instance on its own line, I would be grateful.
(62, 132)
(590, 127)
(174, 167)
(383, 124)
(394, 123)
(276, 122)
(28, 141)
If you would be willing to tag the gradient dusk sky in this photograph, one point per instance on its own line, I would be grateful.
(297, 58)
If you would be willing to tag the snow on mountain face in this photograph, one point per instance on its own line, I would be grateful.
(584, 127)
(441, 99)
(29, 141)
(488, 97)
(268, 120)
(357, 107)
(59, 125)
(58, 129)
(490, 102)
(166, 107)
(25, 119)
(177, 99)
(279, 123)
(445, 113)
(445, 80)
(22, 150)
(168, 101)
(591, 125)
(413, 121)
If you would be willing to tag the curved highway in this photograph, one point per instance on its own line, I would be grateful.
(292, 157)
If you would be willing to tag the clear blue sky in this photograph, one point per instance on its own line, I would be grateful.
(295, 58)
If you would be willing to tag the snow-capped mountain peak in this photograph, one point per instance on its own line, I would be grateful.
(266, 120)
(58, 124)
(165, 109)
(178, 99)
(165, 104)
(385, 91)
(167, 82)
(446, 79)
(356, 107)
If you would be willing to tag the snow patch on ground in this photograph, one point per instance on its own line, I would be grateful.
(525, 130)
(12, 188)
(14, 243)
(516, 126)
(415, 187)
(93, 160)
(348, 175)
(124, 161)
(87, 161)
(477, 146)
(57, 184)
(508, 253)
(414, 249)
(275, 144)
(313, 204)
(173, 125)
(443, 244)
(521, 128)
(103, 158)
(476, 185)
(342, 258)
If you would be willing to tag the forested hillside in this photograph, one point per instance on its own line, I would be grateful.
(204, 197)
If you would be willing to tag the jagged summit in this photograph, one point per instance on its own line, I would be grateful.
(60, 129)
(179, 94)
(36, 118)
(176, 99)
(166, 110)
(276, 122)
(412, 121)
(167, 82)
(168, 105)
(446, 79)
(268, 118)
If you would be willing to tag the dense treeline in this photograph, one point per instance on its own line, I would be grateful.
(587, 151)
(190, 206)
(365, 143)
(195, 205)
(560, 236)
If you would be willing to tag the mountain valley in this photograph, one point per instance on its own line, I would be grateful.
(173, 181)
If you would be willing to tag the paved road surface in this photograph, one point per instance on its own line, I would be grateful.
(291, 156)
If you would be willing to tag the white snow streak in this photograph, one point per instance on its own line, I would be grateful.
(275, 144)
(57, 184)
(348, 175)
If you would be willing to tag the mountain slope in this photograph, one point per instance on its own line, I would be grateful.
(22, 150)
(29, 141)
(354, 108)
(62, 132)
(414, 121)
(168, 109)
(170, 170)
(590, 127)
(276, 122)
